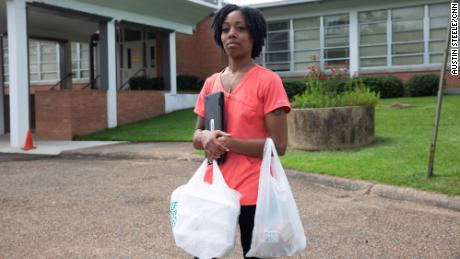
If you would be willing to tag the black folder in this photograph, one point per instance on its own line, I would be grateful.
(214, 113)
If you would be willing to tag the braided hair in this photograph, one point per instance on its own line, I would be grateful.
(255, 22)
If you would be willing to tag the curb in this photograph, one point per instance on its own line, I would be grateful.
(365, 187)
(382, 190)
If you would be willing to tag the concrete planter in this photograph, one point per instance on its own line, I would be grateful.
(331, 128)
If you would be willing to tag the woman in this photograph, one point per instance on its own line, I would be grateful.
(255, 108)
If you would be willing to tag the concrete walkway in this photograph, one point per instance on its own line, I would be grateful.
(185, 151)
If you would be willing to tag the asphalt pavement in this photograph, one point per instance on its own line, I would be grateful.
(83, 206)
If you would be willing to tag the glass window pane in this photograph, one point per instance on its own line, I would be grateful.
(437, 46)
(373, 16)
(84, 74)
(48, 67)
(277, 57)
(33, 77)
(275, 26)
(49, 76)
(306, 35)
(437, 34)
(74, 65)
(403, 26)
(373, 28)
(408, 36)
(277, 46)
(336, 42)
(440, 22)
(407, 13)
(373, 62)
(436, 58)
(307, 55)
(84, 64)
(407, 48)
(336, 53)
(408, 60)
(373, 51)
(336, 20)
(278, 36)
(278, 67)
(439, 10)
(33, 68)
(307, 44)
(373, 39)
(307, 23)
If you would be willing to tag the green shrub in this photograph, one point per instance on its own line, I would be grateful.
(146, 83)
(189, 83)
(422, 85)
(356, 93)
(294, 87)
(386, 86)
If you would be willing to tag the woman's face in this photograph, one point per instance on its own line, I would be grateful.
(236, 40)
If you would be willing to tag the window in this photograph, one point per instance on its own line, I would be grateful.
(438, 25)
(373, 38)
(336, 45)
(416, 38)
(407, 33)
(80, 60)
(43, 60)
(307, 46)
(277, 50)
(318, 41)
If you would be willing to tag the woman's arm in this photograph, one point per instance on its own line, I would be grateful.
(276, 123)
(207, 140)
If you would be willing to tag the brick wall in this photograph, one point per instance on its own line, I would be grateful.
(198, 54)
(139, 105)
(62, 114)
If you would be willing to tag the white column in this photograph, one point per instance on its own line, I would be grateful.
(172, 62)
(18, 71)
(354, 43)
(112, 76)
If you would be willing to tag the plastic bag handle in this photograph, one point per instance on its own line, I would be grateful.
(274, 161)
(217, 177)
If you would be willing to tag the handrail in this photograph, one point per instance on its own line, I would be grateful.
(127, 81)
(88, 84)
(60, 81)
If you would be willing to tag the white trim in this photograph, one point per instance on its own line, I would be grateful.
(18, 73)
(321, 42)
(112, 76)
(119, 14)
(282, 3)
(389, 39)
(172, 62)
(353, 42)
(291, 44)
(426, 36)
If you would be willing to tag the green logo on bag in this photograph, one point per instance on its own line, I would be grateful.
(173, 213)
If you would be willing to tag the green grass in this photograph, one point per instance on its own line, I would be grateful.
(398, 157)
(175, 126)
(400, 154)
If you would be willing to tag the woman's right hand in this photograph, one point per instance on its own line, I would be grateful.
(212, 147)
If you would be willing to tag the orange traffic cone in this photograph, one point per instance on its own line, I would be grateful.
(28, 145)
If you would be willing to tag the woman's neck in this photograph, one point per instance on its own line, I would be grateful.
(243, 65)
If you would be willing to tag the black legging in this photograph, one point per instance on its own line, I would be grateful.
(246, 222)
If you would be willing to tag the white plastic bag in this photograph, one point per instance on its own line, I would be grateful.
(278, 230)
(204, 216)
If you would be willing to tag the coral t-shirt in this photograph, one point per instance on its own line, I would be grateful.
(259, 92)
